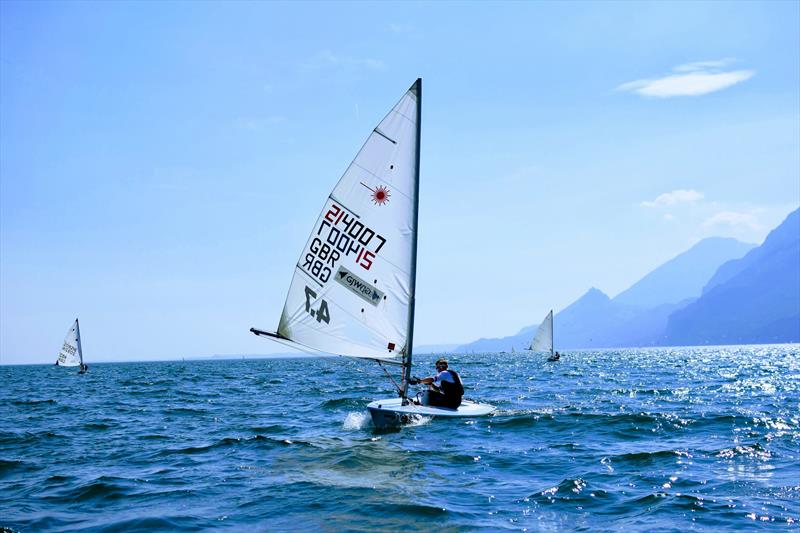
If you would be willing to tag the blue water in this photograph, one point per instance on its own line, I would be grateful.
(670, 439)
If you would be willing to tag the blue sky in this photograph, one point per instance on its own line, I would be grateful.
(161, 164)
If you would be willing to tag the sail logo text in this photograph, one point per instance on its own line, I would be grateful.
(340, 234)
(359, 286)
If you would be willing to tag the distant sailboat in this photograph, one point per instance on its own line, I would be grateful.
(543, 340)
(353, 289)
(71, 353)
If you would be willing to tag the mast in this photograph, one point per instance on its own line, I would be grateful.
(417, 89)
(78, 331)
(552, 340)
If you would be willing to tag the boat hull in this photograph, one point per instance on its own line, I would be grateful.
(392, 413)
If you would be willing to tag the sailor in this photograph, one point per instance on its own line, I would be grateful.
(445, 388)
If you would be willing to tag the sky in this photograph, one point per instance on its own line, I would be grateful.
(161, 164)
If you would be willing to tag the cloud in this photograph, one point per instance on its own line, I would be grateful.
(670, 199)
(690, 79)
(328, 60)
(733, 219)
(704, 65)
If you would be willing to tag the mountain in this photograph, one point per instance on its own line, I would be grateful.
(592, 321)
(784, 236)
(683, 276)
(755, 299)
(636, 317)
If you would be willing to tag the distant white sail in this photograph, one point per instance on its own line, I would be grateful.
(352, 287)
(543, 341)
(70, 354)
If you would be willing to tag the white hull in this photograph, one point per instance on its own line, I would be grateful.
(391, 412)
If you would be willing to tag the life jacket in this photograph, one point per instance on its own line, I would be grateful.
(453, 390)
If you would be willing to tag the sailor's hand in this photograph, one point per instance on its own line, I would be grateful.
(413, 381)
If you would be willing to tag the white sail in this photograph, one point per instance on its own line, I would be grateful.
(352, 289)
(543, 341)
(70, 354)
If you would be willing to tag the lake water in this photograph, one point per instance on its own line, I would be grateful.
(670, 439)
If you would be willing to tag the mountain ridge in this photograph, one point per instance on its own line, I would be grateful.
(634, 317)
(755, 299)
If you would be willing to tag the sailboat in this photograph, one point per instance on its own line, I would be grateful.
(71, 353)
(353, 289)
(543, 340)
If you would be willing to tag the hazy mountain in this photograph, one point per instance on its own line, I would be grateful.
(781, 237)
(685, 275)
(636, 317)
(755, 299)
(595, 321)
(583, 324)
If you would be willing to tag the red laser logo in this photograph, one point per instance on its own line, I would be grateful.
(380, 194)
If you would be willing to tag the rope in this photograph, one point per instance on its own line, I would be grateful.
(396, 386)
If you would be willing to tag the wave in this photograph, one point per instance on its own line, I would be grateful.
(153, 436)
(102, 489)
(606, 422)
(184, 411)
(748, 450)
(648, 392)
(519, 419)
(272, 428)
(409, 510)
(191, 450)
(59, 479)
(645, 458)
(649, 500)
(29, 438)
(33, 402)
(335, 403)
(160, 523)
(572, 490)
(99, 426)
(356, 420)
(154, 393)
(227, 442)
(9, 467)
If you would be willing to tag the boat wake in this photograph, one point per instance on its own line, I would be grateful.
(419, 420)
(356, 420)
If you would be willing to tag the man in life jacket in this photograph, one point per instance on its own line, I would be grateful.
(445, 387)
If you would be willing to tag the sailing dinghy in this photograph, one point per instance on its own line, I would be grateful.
(353, 289)
(543, 340)
(71, 353)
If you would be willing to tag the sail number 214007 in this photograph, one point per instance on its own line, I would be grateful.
(340, 235)
(321, 313)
